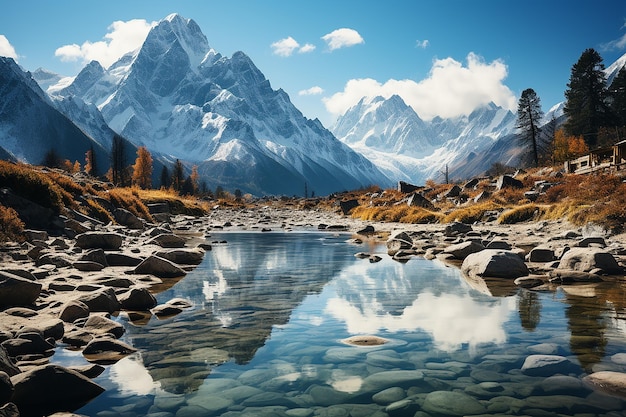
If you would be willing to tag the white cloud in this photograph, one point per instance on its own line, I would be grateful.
(342, 38)
(123, 37)
(313, 91)
(450, 90)
(307, 48)
(285, 47)
(422, 44)
(617, 44)
(6, 49)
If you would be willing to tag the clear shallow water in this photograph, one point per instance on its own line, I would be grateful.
(264, 338)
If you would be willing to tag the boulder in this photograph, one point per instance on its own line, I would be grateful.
(611, 382)
(29, 343)
(547, 365)
(9, 410)
(106, 351)
(6, 388)
(74, 310)
(45, 389)
(367, 230)
(128, 219)
(470, 184)
(505, 181)
(588, 259)
(182, 256)
(99, 325)
(418, 200)
(457, 228)
(121, 259)
(137, 299)
(348, 205)
(95, 255)
(167, 240)
(463, 249)
(17, 291)
(494, 263)
(565, 276)
(405, 187)
(88, 266)
(102, 240)
(398, 242)
(455, 191)
(6, 363)
(542, 255)
(159, 267)
(102, 300)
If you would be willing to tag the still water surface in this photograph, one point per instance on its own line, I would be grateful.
(264, 338)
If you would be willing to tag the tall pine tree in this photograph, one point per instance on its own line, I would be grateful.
(529, 115)
(617, 92)
(585, 98)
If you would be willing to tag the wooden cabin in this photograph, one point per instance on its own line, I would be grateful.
(606, 159)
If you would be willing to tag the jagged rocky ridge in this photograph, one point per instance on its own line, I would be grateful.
(182, 99)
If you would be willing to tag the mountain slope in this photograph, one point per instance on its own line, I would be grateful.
(30, 125)
(181, 98)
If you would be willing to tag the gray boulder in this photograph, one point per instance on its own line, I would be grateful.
(182, 256)
(95, 255)
(167, 240)
(588, 259)
(99, 325)
(463, 249)
(106, 351)
(159, 267)
(17, 291)
(398, 242)
(505, 181)
(418, 200)
(494, 263)
(46, 389)
(137, 299)
(101, 300)
(121, 259)
(102, 240)
(348, 205)
(611, 382)
(128, 219)
(542, 255)
(457, 228)
(74, 310)
(6, 388)
(6, 363)
(547, 365)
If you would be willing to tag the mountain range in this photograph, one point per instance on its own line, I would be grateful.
(185, 101)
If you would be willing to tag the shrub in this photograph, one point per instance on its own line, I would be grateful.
(128, 199)
(11, 227)
(471, 214)
(33, 185)
(521, 214)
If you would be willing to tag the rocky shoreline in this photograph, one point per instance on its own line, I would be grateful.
(62, 290)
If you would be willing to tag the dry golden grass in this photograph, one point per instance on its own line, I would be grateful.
(127, 198)
(178, 205)
(11, 227)
(33, 185)
(471, 213)
(520, 214)
(401, 213)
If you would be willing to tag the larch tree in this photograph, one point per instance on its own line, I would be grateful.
(90, 162)
(529, 115)
(142, 169)
(195, 179)
(585, 98)
(178, 176)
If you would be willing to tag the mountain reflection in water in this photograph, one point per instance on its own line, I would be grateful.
(271, 309)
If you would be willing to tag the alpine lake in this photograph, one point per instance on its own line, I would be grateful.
(274, 313)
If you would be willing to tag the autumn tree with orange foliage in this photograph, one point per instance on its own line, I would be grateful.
(568, 147)
(90, 162)
(142, 169)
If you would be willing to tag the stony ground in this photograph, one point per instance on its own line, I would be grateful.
(61, 290)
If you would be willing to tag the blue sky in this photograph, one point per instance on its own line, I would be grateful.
(443, 57)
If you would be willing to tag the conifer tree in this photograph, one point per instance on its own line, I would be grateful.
(165, 177)
(617, 92)
(529, 115)
(142, 170)
(585, 105)
(195, 178)
(118, 160)
(90, 162)
(178, 176)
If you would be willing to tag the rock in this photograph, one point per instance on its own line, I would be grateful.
(99, 325)
(386, 379)
(102, 240)
(33, 393)
(32, 234)
(57, 259)
(542, 255)
(137, 299)
(95, 255)
(90, 371)
(74, 310)
(399, 242)
(88, 266)
(6, 363)
(27, 344)
(457, 228)
(482, 196)
(547, 365)
(102, 300)
(128, 219)
(374, 259)
(159, 267)
(9, 410)
(613, 383)
(470, 184)
(498, 244)
(463, 249)
(452, 403)
(389, 395)
(530, 281)
(587, 259)
(588, 241)
(563, 385)
(367, 230)
(121, 259)
(158, 208)
(418, 200)
(17, 291)
(106, 351)
(166, 310)
(6, 388)
(455, 191)
(405, 187)
(348, 205)
(182, 256)
(494, 263)
(167, 240)
(565, 276)
(508, 181)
